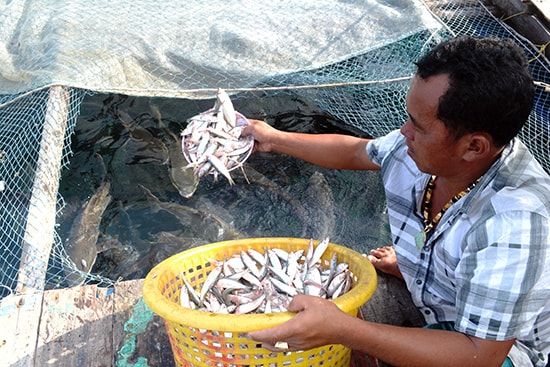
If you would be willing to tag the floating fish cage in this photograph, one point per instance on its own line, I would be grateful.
(200, 338)
(58, 61)
(361, 81)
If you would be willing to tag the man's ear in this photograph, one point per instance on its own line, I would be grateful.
(478, 145)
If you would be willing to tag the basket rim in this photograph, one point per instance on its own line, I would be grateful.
(175, 313)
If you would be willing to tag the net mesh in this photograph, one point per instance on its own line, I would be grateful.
(356, 65)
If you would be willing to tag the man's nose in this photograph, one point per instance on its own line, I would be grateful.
(406, 130)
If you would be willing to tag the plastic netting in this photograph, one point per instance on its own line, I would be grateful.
(355, 64)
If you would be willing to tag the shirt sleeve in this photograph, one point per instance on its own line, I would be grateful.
(378, 149)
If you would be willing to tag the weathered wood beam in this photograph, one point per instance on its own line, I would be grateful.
(39, 233)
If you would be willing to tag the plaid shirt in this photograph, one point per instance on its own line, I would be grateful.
(486, 266)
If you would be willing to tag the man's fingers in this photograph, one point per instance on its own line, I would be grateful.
(297, 304)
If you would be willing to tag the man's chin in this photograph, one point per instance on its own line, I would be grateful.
(413, 157)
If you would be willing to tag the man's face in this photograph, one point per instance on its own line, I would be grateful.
(431, 146)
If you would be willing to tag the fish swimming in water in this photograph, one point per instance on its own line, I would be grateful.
(181, 175)
(146, 148)
(80, 244)
(211, 227)
(321, 206)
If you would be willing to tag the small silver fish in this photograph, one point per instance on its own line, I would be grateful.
(209, 282)
(218, 141)
(226, 107)
(254, 282)
(318, 251)
(185, 300)
(250, 264)
(291, 291)
(250, 306)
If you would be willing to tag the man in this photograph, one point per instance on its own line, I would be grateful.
(469, 210)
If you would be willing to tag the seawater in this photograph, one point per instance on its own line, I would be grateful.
(285, 197)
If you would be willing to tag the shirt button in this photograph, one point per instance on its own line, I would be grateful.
(419, 281)
(427, 312)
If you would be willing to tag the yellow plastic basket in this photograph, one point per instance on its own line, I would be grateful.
(207, 339)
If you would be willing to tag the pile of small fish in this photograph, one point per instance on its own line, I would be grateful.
(211, 141)
(251, 282)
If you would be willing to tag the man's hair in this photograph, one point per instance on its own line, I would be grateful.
(490, 86)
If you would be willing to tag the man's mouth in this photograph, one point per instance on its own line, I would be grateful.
(409, 149)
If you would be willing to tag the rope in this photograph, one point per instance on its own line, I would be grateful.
(542, 50)
(176, 93)
(278, 88)
(513, 15)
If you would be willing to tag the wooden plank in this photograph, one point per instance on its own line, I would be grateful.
(76, 327)
(17, 343)
(83, 326)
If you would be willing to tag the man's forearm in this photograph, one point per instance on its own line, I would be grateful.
(403, 346)
(326, 150)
